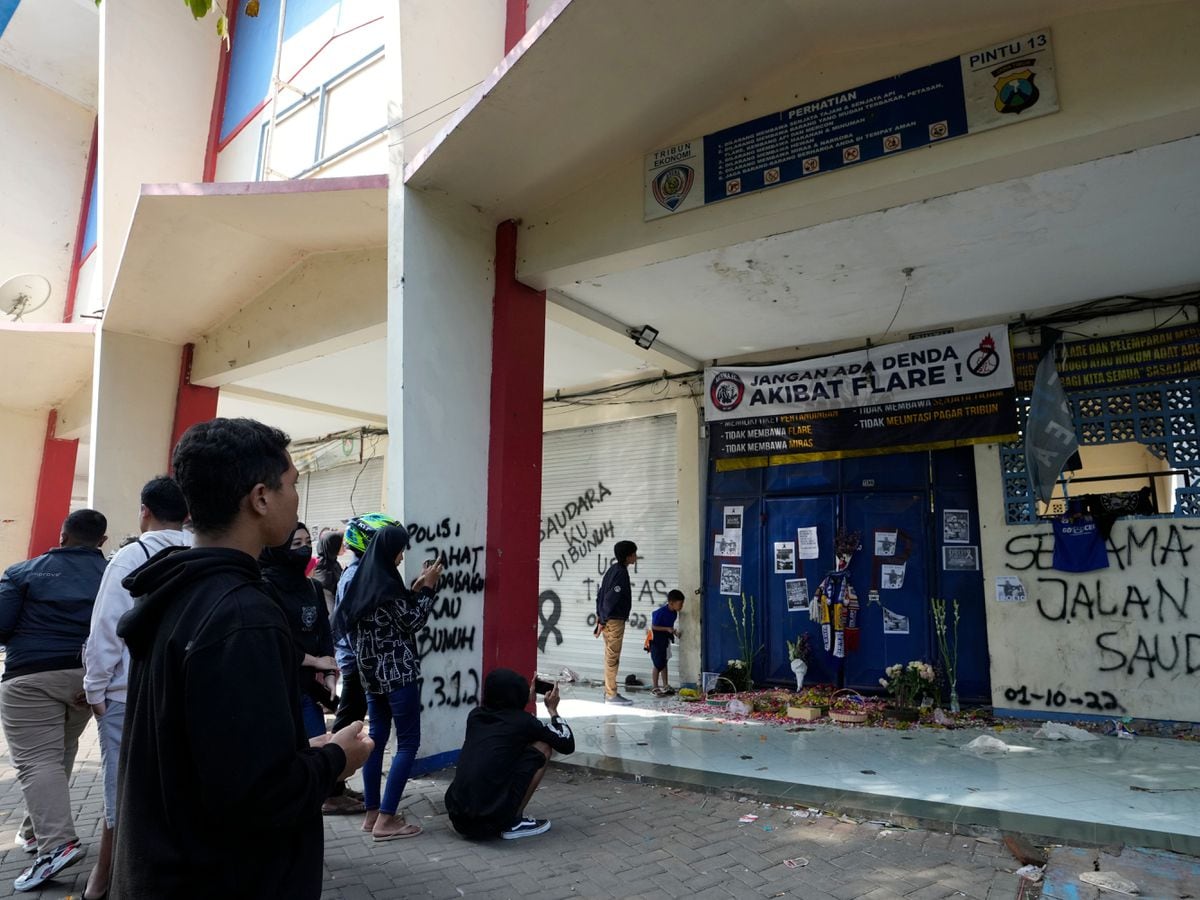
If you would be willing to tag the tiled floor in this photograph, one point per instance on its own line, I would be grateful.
(1070, 791)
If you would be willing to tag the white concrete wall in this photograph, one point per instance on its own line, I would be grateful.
(87, 289)
(20, 460)
(46, 141)
(1106, 108)
(448, 49)
(691, 488)
(157, 72)
(136, 381)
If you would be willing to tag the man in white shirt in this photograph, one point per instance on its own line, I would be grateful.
(106, 659)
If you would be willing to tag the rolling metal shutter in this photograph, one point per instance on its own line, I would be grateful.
(603, 484)
(330, 496)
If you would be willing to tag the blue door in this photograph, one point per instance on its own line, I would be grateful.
(890, 573)
(781, 622)
(719, 642)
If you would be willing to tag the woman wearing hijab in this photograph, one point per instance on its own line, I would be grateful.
(328, 569)
(382, 617)
(303, 604)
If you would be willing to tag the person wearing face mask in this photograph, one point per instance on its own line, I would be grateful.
(382, 617)
(304, 605)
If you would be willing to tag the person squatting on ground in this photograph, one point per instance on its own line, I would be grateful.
(659, 640)
(352, 702)
(304, 605)
(614, 600)
(106, 659)
(503, 760)
(45, 609)
(382, 618)
(219, 790)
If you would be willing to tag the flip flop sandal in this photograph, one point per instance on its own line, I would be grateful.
(399, 835)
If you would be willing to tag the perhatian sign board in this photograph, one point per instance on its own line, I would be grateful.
(997, 85)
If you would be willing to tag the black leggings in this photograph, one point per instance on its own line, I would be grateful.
(352, 707)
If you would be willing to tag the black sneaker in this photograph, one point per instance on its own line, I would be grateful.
(46, 867)
(526, 828)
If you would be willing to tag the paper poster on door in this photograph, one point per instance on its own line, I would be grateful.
(731, 580)
(728, 545)
(892, 577)
(960, 559)
(894, 623)
(806, 542)
(956, 526)
(733, 519)
(785, 558)
(885, 543)
(796, 591)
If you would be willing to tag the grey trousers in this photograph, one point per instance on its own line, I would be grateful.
(42, 725)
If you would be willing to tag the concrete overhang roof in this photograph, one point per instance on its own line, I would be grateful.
(196, 254)
(596, 81)
(42, 365)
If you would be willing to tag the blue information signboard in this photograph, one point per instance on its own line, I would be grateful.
(973, 92)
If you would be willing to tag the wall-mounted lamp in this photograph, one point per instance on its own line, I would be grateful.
(645, 336)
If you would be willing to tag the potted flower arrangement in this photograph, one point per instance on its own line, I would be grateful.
(800, 656)
(908, 686)
(808, 705)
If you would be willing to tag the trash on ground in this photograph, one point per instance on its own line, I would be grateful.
(748, 818)
(1109, 881)
(985, 743)
(1023, 851)
(1030, 873)
(768, 828)
(1057, 731)
(737, 708)
(798, 863)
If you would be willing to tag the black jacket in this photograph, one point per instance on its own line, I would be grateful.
(614, 600)
(220, 794)
(495, 741)
(46, 609)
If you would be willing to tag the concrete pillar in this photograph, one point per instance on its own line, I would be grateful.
(514, 465)
(21, 454)
(135, 387)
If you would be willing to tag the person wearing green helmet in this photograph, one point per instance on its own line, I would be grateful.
(352, 703)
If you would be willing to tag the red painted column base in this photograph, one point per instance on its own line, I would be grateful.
(193, 403)
(510, 601)
(55, 481)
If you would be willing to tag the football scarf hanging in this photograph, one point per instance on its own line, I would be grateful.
(835, 603)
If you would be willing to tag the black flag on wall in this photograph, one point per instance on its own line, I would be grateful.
(1050, 438)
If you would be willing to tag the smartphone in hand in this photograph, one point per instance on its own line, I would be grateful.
(541, 686)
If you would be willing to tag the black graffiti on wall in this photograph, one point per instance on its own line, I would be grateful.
(460, 588)
(549, 622)
(1154, 619)
(1055, 698)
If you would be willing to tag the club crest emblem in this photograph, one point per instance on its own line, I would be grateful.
(672, 184)
(1015, 90)
(727, 391)
(308, 616)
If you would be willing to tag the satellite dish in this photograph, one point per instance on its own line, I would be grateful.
(23, 294)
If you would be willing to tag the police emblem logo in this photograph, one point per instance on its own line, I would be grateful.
(727, 391)
(810, 165)
(938, 130)
(671, 186)
(1015, 90)
(851, 154)
(891, 143)
(771, 175)
(733, 186)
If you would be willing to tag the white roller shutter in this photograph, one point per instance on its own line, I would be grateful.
(600, 485)
(330, 496)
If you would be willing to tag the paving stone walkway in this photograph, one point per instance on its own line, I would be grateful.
(610, 838)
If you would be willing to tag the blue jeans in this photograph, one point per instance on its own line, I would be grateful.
(314, 718)
(404, 706)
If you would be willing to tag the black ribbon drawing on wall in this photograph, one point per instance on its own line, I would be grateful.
(549, 622)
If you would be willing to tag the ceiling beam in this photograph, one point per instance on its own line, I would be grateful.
(272, 399)
(592, 323)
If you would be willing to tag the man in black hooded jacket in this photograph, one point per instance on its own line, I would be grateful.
(503, 760)
(220, 791)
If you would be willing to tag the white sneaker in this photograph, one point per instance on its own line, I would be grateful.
(46, 867)
(29, 845)
(618, 700)
(526, 828)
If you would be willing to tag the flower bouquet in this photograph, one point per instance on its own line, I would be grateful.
(908, 686)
